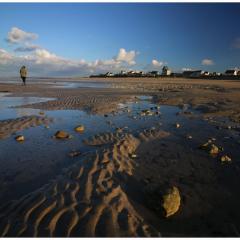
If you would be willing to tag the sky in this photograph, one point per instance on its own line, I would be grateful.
(79, 39)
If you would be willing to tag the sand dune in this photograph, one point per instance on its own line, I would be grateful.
(10, 126)
(87, 200)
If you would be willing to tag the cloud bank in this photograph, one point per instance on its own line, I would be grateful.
(41, 61)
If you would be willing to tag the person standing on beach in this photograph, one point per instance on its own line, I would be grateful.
(23, 74)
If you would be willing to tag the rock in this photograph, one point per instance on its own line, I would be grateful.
(212, 149)
(74, 153)
(225, 158)
(146, 112)
(177, 125)
(62, 135)
(189, 137)
(19, 138)
(118, 129)
(79, 128)
(105, 115)
(133, 155)
(171, 201)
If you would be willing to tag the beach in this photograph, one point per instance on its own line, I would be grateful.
(135, 157)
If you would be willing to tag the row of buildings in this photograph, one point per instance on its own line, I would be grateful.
(167, 72)
(200, 73)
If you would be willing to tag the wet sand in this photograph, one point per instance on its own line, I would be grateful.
(130, 158)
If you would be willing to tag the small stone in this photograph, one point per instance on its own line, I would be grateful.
(214, 150)
(80, 128)
(19, 138)
(177, 125)
(133, 155)
(171, 201)
(105, 115)
(74, 153)
(118, 129)
(225, 158)
(62, 135)
(211, 148)
(189, 137)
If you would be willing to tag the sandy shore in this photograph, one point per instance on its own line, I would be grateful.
(118, 188)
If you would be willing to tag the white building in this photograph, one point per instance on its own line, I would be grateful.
(166, 71)
(232, 72)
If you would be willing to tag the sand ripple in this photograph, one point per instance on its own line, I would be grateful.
(87, 200)
(100, 104)
(10, 126)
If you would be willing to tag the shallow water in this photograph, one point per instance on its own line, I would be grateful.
(61, 84)
(6, 104)
(82, 84)
(41, 157)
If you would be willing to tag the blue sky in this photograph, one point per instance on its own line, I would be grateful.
(81, 38)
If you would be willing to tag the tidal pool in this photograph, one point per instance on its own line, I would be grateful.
(40, 158)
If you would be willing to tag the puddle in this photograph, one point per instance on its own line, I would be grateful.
(7, 102)
(82, 84)
(144, 98)
(60, 84)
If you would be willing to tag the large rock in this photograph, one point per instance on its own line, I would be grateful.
(171, 201)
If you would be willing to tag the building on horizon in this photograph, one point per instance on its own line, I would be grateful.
(232, 72)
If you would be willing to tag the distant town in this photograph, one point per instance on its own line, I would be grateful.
(166, 72)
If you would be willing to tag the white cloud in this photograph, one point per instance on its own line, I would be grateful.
(128, 57)
(186, 69)
(17, 35)
(156, 63)
(41, 61)
(207, 62)
(5, 57)
(236, 43)
(27, 48)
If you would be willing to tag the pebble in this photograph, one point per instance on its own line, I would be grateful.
(79, 128)
(225, 158)
(62, 135)
(133, 155)
(19, 138)
(177, 125)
